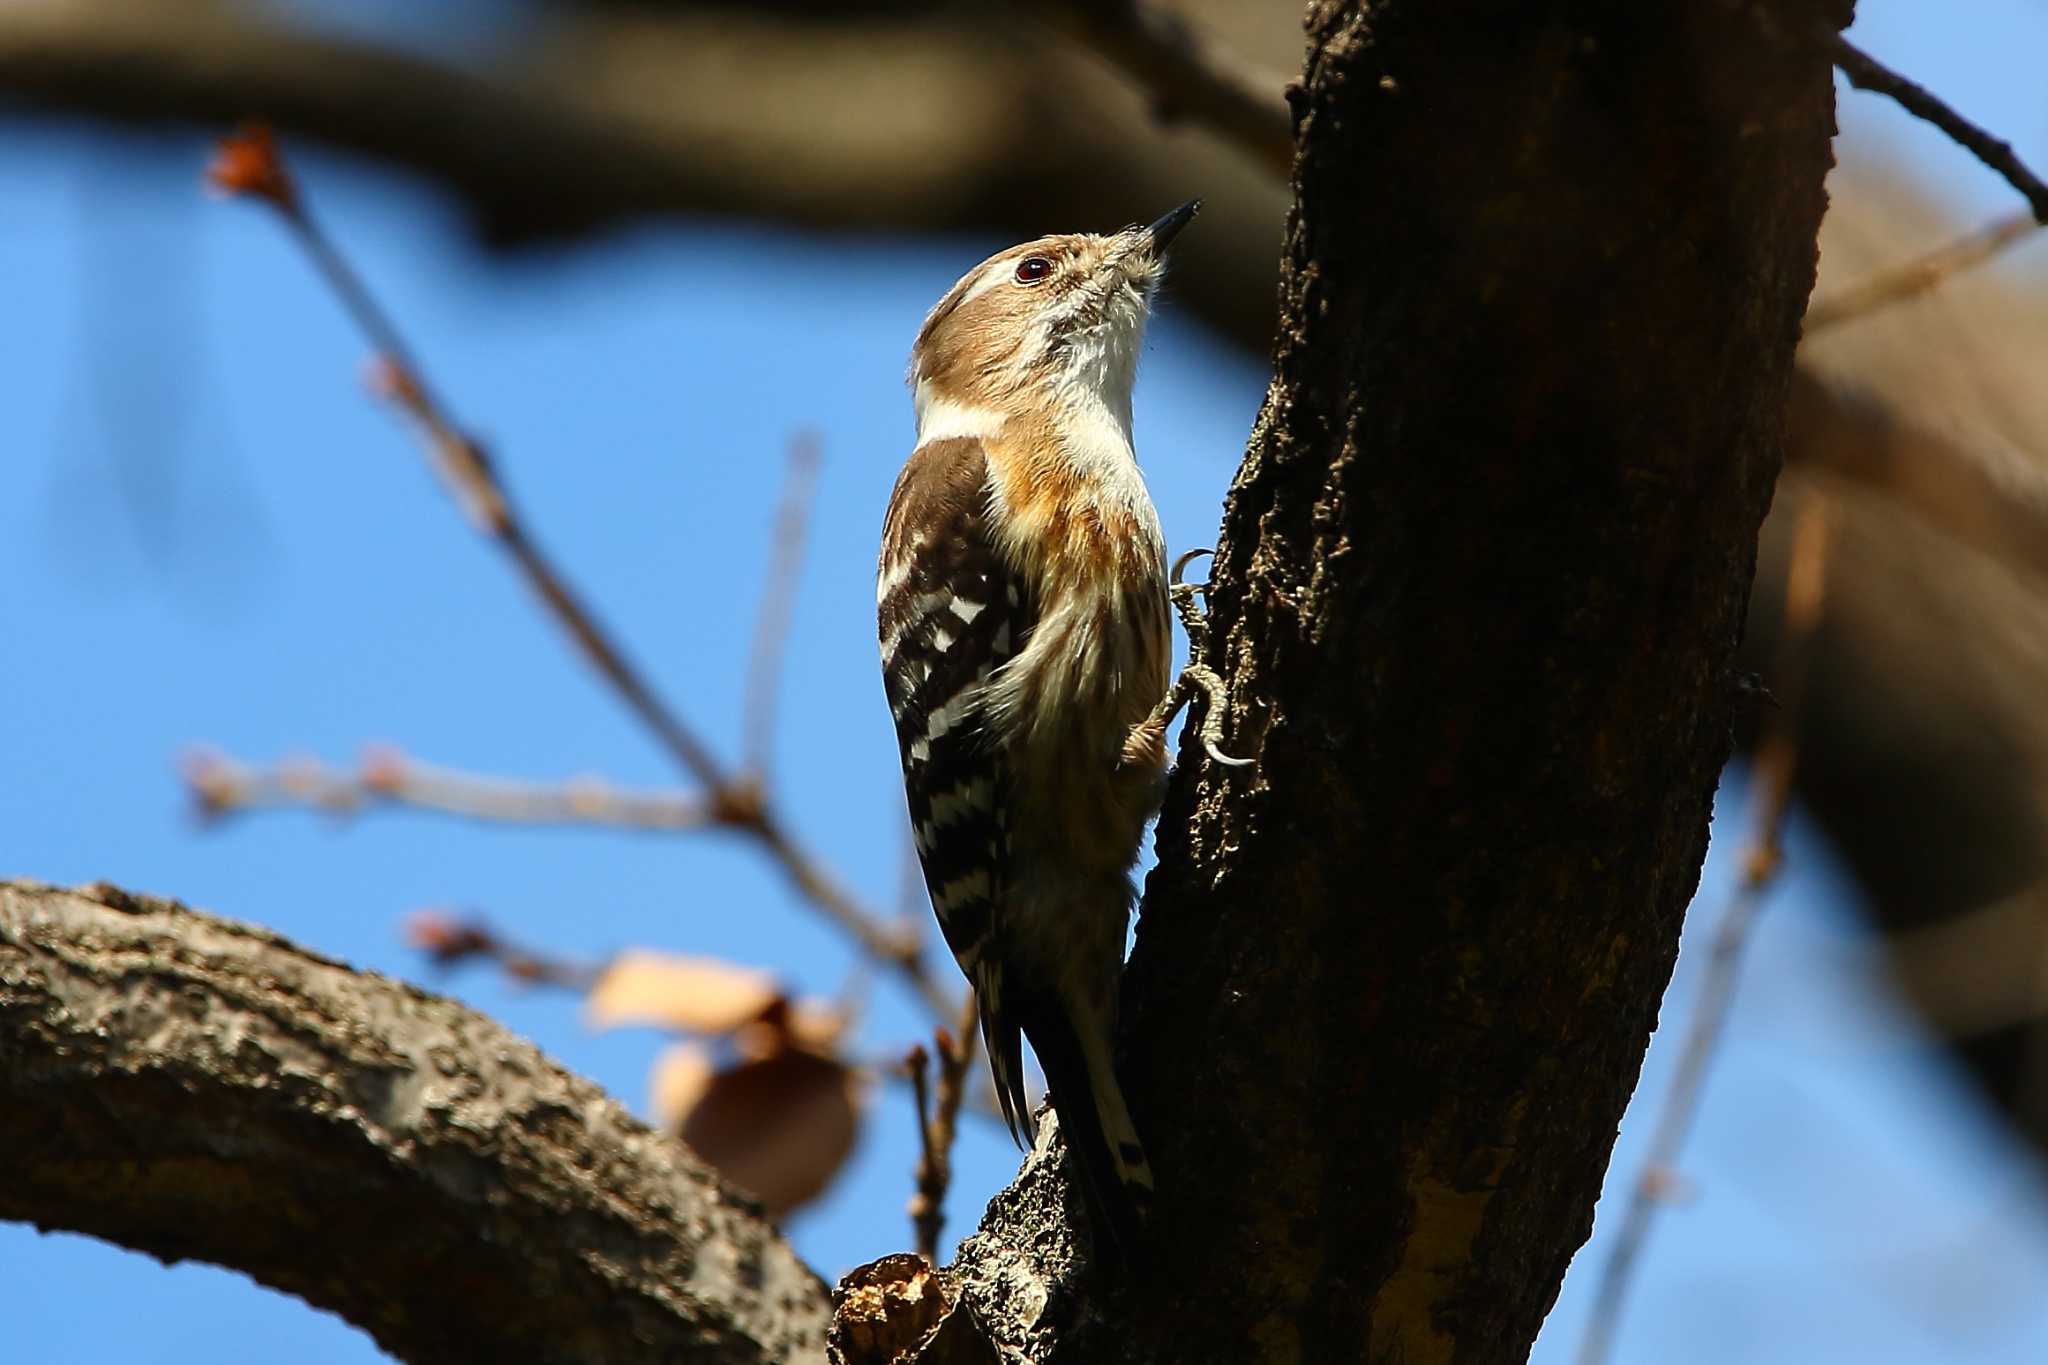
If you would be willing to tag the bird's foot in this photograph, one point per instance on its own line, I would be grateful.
(1148, 737)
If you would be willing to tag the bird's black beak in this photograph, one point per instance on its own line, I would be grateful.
(1161, 233)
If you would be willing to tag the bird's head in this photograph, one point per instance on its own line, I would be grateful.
(1057, 320)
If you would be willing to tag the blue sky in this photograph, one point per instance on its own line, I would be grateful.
(208, 533)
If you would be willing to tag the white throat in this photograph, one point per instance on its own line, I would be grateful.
(1091, 398)
(1087, 398)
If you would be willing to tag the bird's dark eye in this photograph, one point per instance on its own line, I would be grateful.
(1032, 269)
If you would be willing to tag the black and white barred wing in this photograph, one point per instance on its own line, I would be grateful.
(950, 614)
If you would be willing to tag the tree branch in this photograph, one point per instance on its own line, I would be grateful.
(1867, 73)
(249, 164)
(1922, 274)
(196, 1088)
(778, 602)
(582, 119)
(223, 785)
(1775, 763)
(937, 1122)
(1187, 74)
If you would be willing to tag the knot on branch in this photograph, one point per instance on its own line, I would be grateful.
(902, 1311)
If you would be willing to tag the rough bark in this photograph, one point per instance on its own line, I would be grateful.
(196, 1088)
(1478, 595)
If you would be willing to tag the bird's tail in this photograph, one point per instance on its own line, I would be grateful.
(1005, 1046)
(1080, 1074)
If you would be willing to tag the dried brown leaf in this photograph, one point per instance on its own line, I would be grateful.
(668, 990)
(682, 1073)
(814, 1025)
(778, 1126)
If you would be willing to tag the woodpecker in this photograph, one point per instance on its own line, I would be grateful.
(1023, 609)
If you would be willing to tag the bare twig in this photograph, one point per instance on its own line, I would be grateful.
(1920, 275)
(223, 785)
(936, 1125)
(1187, 75)
(771, 629)
(1867, 73)
(451, 940)
(249, 164)
(1772, 769)
(924, 1214)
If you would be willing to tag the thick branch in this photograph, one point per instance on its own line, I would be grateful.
(916, 122)
(1996, 506)
(1187, 74)
(197, 1088)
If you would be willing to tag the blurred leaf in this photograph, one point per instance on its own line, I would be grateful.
(779, 1126)
(682, 1073)
(668, 990)
(813, 1025)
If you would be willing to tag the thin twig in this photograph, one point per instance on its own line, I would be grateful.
(451, 940)
(249, 164)
(1187, 75)
(223, 785)
(1920, 275)
(924, 1220)
(778, 598)
(1776, 759)
(936, 1125)
(1867, 73)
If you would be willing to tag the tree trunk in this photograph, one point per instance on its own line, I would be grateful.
(1480, 585)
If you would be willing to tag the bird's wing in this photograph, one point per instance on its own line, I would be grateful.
(951, 612)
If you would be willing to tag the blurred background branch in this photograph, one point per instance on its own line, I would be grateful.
(249, 164)
(1918, 276)
(938, 1118)
(1775, 762)
(877, 115)
(223, 785)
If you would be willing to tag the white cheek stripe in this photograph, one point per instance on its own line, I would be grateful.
(943, 419)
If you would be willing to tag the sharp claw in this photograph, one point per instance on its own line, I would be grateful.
(1196, 677)
(1180, 566)
(1216, 755)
